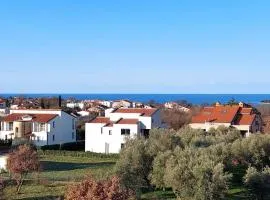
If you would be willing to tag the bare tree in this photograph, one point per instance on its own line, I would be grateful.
(20, 162)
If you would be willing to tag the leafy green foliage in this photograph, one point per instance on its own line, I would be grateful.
(195, 164)
(258, 182)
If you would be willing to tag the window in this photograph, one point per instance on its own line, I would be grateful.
(53, 124)
(38, 138)
(53, 138)
(152, 120)
(110, 132)
(42, 126)
(101, 130)
(122, 145)
(73, 124)
(73, 136)
(16, 130)
(125, 131)
(10, 124)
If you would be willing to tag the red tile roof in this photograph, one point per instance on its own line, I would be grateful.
(219, 114)
(142, 111)
(245, 119)
(245, 110)
(225, 114)
(102, 120)
(127, 121)
(41, 118)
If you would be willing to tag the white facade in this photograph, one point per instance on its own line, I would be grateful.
(122, 103)
(58, 130)
(107, 134)
(3, 162)
(83, 113)
(106, 103)
(80, 105)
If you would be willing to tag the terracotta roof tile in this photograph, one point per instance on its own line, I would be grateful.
(102, 120)
(127, 121)
(218, 114)
(245, 119)
(225, 114)
(142, 111)
(41, 118)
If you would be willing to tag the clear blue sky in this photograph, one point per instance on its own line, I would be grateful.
(142, 46)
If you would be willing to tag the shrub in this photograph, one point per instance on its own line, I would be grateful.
(71, 146)
(97, 190)
(258, 182)
(77, 154)
(21, 161)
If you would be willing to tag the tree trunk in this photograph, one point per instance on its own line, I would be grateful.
(20, 185)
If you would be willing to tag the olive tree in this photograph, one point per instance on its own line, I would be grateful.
(258, 182)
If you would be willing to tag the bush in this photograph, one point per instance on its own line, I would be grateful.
(71, 146)
(77, 154)
(91, 189)
(258, 182)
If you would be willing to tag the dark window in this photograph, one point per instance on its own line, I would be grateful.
(73, 124)
(10, 126)
(145, 133)
(38, 138)
(16, 130)
(53, 124)
(122, 145)
(101, 130)
(110, 132)
(53, 138)
(125, 131)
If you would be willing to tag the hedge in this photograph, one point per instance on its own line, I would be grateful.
(71, 146)
(77, 154)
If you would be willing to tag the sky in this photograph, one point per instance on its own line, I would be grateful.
(142, 46)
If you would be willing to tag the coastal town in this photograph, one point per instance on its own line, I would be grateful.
(134, 100)
(106, 127)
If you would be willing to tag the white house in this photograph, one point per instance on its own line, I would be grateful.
(242, 117)
(3, 162)
(174, 105)
(80, 105)
(42, 126)
(83, 113)
(106, 103)
(122, 103)
(107, 134)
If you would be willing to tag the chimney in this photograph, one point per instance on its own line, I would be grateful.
(241, 104)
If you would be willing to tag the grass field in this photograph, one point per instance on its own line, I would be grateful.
(57, 173)
(60, 171)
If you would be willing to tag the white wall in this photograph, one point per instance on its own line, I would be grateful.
(207, 126)
(65, 128)
(3, 162)
(95, 140)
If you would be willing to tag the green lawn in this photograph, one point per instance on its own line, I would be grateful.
(57, 172)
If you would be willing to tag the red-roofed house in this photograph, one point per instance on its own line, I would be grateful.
(107, 134)
(245, 119)
(43, 127)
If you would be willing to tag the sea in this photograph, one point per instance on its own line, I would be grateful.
(160, 98)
